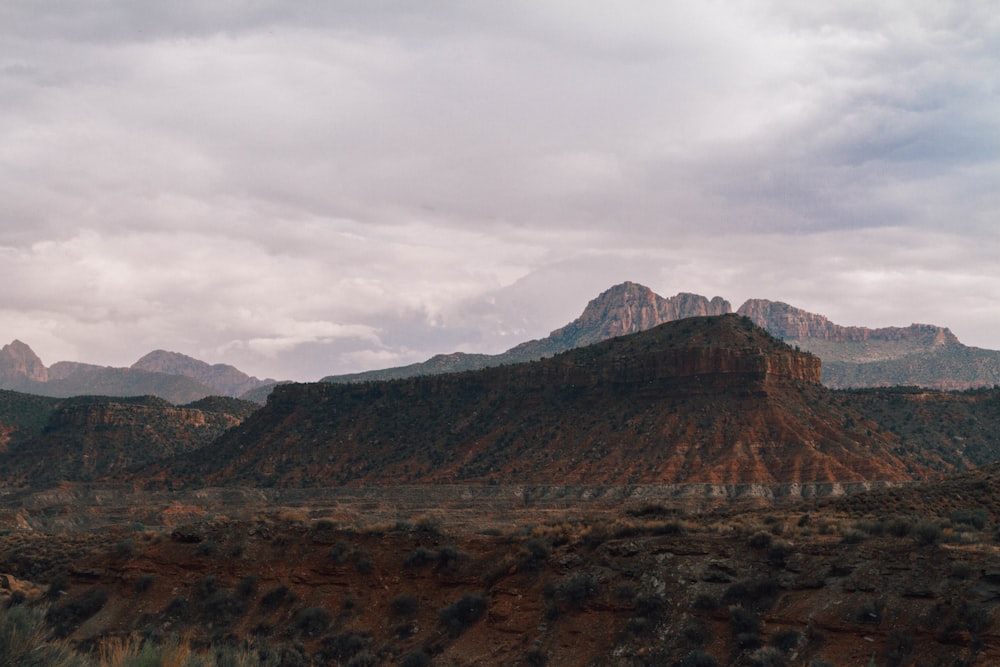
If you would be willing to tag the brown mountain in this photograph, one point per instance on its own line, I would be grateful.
(710, 399)
(622, 309)
(171, 376)
(18, 362)
(920, 355)
(223, 379)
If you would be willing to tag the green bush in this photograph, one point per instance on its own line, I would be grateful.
(311, 622)
(457, 617)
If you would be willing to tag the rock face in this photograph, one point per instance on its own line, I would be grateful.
(788, 322)
(624, 309)
(707, 399)
(18, 363)
(223, 379)
(922, 355)
(169, 375)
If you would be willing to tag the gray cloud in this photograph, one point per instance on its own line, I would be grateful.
(318, 187)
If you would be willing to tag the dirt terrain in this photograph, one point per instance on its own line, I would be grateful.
(908, 575)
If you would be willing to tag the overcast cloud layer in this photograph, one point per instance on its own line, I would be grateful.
(307, 188)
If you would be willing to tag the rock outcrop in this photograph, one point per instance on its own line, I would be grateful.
(789, 322)
(19, 363)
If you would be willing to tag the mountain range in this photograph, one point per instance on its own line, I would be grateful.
(918, 355)
(171, 376)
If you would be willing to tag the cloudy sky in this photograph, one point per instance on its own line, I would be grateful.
(312, 187)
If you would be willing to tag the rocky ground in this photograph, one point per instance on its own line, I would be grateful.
(833, 582)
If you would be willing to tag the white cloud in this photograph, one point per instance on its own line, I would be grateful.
(305, 188)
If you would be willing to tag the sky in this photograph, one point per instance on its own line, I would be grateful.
(316, 187)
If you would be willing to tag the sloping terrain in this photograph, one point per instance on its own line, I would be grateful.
(714, 400)
(961, 428)
(85, 438)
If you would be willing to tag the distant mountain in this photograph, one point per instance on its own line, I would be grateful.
(714, 400)
(922, 355)
(171, 376)
(622, 309)
(18, 362)
(919, 355)
(223, 379)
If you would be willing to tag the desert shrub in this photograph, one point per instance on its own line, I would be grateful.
(870, 611)
(176, 608)
(340, 552)
(205, 587)
(706, 602)
(757, 593)
(247, 586)
(417, 658)
(57, 586)
(458, 616)
(125, 548)
(696, 633)
(536, 658)
(668, 528)
(574, 589)
(24, 641)
(976, 518)
(900, 527)
(404, 604)
(311, 622)
(222, 609)
(852, 536)
(698, 658)
(649, 608)
(927, 533)
(274, 598)
(533, 554)
(961, 570)
(143, 582)
(760, 540)
(363, 562)
(344, 647)
(448, 555)
(65, 617)
(899, 647)
(779, 551)
(429, 525)
(786, 640)
(743, 621)
(820, 663)
(419, 556)
(207, 548)
(767, 656)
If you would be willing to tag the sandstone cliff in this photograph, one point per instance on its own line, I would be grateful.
(920, 355)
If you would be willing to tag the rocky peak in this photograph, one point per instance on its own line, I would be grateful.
(629, 308)
(18, 361)
(793, 323)
(223, 378)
